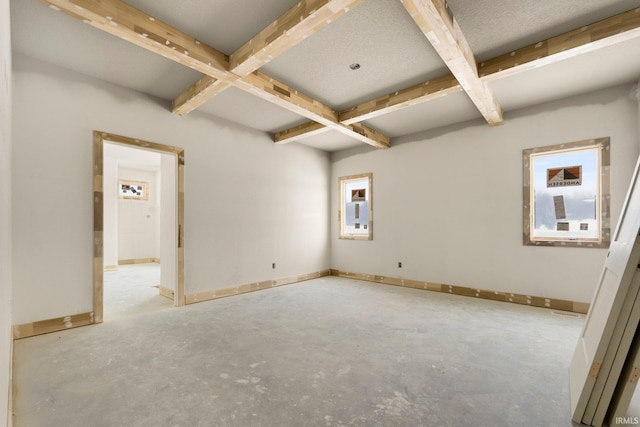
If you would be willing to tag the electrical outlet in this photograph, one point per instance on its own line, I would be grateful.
(273, 265)
(399, 265)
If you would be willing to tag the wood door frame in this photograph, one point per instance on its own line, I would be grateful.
(99, 138)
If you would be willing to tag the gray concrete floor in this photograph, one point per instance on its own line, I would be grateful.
(133, 289)
(327, 352)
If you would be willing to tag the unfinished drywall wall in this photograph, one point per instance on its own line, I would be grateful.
(448, 202)
(242, 199)
(5, 211)
(121, 162)
(168, 221)
(110, 203)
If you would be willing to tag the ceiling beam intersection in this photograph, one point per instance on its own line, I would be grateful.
(613, 30)
(118, 18)
(295, 25)
(441, 29)
(301, 21)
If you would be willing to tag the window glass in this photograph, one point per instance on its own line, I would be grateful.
(355, 207)
(565, 198)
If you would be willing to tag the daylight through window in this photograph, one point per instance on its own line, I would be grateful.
(355, 215)
(566, 194)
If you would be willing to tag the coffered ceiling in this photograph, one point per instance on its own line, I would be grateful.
(421, 65)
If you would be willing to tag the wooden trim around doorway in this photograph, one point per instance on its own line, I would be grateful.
(99, 138)
(167, 293)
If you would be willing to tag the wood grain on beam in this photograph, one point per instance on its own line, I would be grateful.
(616, 29)
(364, 134)
(199, 93)
(386, 104)
(278, 93)
(442, 30)
(301, 21)
(298, 23)
(118, 18)
(305, 131)
(404, 98)
(610, 31)
(122, 20)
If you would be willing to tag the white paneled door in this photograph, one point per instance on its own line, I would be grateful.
(608, 312)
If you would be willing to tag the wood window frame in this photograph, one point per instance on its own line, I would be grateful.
(342, 182)
(143, 184)
(603, 216)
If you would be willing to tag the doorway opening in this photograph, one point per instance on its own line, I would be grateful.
(138, 226)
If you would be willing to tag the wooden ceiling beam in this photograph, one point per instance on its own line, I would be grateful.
(414, 95)
(306, 130)
(196, 95)
(616, 29)
(120, 19)
(279, 93)
(298, 23)
(441, 29)
(301, 21)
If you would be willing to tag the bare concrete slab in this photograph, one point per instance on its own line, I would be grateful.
(133, 289)
(327, 352)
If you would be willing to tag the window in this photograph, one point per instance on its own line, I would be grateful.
(355, 216)
(136, 190)
(566, 194)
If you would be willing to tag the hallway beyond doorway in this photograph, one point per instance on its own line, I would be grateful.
(133, 289)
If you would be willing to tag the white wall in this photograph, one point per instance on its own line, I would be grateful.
(138, 219)
(110, 205)
(168, 221)
(243, 203)
(115, 158)
(448, 203)
(5, 210)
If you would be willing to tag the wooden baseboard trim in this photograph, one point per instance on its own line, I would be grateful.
(52, 325)
(138, 261)
(251, 287)
(110, 268)
(167, 293)
(555, 304)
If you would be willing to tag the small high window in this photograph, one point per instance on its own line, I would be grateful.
(566, 194)
(355, 216)
(135, 190)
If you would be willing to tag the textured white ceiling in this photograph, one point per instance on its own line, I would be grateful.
(241, 107)
(75, 45)
(496, 27)
(443, 111)
(580, 74)
(330, 141)
(378, 34)
(223, 24)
